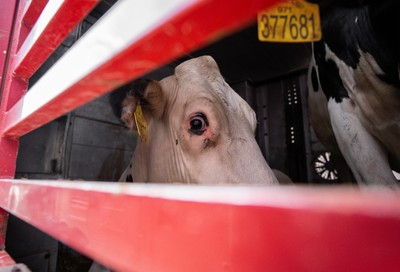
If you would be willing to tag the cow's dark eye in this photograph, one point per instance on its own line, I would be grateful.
(198, 123)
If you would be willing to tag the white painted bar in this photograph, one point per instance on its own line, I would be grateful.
(48, 13)
(124, 23)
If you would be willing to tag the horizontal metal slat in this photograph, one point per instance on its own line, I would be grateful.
(33, 12)
(134, 227)
(53, 26)
(131, 39)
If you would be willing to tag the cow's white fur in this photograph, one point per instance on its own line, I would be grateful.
(173, 155)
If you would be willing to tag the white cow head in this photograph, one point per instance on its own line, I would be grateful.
(198, 130)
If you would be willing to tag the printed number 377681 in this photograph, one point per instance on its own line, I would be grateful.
(290, 21)
(295, 26)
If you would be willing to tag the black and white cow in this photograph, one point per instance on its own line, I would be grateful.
(354, 87)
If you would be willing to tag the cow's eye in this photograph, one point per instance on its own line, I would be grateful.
(198, 123)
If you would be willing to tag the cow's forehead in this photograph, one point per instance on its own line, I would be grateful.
(200, 69)
(203, 65)
(179, 91)
(199, 76)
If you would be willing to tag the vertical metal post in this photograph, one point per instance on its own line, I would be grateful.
(6, 23)
(9, 31)
(11, 89)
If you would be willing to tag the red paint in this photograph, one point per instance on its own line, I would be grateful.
(183, 33)
(33, 12)
(8, 152)
(273, 229)
(8, 157)
(8, 43)
(56, 31)
(6, 23)
(5, 259)
(14, 88)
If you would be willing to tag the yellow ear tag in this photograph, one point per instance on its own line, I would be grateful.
(141, 124)
(290, 21)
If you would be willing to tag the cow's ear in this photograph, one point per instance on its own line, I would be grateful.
(148, 94)
(123, 100)
(153, 99)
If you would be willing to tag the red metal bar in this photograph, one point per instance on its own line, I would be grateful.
(5, 259)
(8, 44)
(33, 12)
(8, 157)
(11, 28)
(8, 148)
(6, 24)
(58, 21)
(12, 90)
(8, 151)
(181, 32)
(54, 25)
(184, 228)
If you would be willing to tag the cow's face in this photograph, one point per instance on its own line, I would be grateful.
(198, 130)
